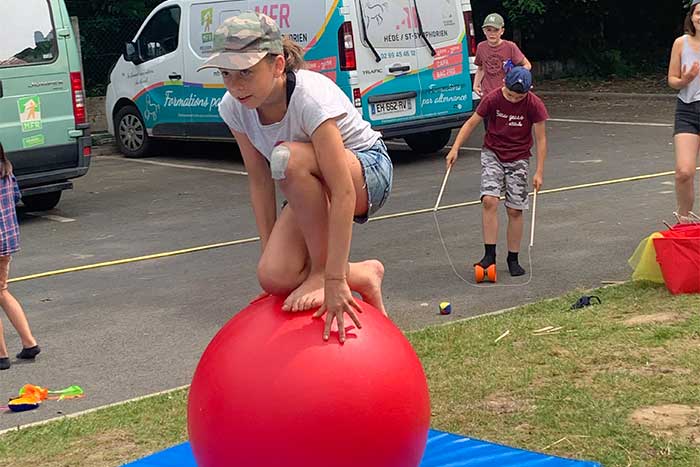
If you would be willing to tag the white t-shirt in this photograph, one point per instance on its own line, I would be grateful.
(315, 100)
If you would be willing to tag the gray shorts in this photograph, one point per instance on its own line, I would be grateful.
(379, 173)
(511, 177)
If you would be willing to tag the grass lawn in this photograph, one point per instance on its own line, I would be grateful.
(618, 383)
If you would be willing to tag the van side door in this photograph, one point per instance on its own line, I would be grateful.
(158, 76)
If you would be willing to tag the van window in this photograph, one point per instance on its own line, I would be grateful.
(440, 20)
(389, 23)
(161, 35)
(394, 23)
(27, 34)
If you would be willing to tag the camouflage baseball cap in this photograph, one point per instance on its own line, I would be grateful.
(243, 40)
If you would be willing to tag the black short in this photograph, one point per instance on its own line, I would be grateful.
(687, 118)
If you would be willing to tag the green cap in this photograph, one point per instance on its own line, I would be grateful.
(243, 40)
(494, 20)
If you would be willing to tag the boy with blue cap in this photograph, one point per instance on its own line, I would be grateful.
(511, 114)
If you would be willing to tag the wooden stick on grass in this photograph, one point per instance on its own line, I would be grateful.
(501, 336)
(555, 443)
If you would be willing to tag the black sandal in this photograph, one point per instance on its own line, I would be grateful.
(585, 301)
(29, 353)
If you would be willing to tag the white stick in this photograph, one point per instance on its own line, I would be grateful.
(442, 189)
(549, 331)
(532, 224)
(502, 336)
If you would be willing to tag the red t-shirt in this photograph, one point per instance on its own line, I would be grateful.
(509, 132)
(492, 60)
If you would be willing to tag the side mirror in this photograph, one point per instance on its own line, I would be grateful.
(38, 38)
(131, 54)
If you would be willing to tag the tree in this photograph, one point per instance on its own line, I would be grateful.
(611, 36)
(104, 27)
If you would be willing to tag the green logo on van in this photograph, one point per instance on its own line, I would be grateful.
(36, 140)
(207, 20)
(30, 113)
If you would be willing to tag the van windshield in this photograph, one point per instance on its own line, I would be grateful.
(27, 34)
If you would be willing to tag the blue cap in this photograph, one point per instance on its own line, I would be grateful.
(519, 79)
(695, 2)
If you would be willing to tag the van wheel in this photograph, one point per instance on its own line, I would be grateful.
(42, 202)
(429, 142)
(132, 138)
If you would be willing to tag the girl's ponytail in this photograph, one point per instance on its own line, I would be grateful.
(293, 55)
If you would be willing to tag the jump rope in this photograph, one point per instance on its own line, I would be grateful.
(444, 246)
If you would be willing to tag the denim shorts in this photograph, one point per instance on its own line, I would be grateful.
(379, 173)
(687, 118)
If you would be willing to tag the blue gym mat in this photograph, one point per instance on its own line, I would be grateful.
(443, 450)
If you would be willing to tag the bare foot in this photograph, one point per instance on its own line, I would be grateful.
(307, 296)
(367, 281)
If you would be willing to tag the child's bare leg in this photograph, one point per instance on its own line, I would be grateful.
(3, 346)
(515, 229)
(489, 219)
(366, 278)
(304, 188)
(283, 277)
(686, 146)
(306, 195)
(16, 315)
(283, 265)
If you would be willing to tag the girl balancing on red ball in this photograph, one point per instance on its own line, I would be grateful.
(297, 128)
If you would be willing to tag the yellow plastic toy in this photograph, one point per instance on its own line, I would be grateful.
(644, 263)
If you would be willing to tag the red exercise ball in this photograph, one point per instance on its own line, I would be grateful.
(269, 392)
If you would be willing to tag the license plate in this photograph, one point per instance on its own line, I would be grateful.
(401, 106)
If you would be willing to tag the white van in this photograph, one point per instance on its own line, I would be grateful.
(406, 64)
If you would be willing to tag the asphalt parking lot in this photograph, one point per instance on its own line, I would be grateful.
(131, 324)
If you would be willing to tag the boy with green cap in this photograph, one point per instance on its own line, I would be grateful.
(495, 56)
